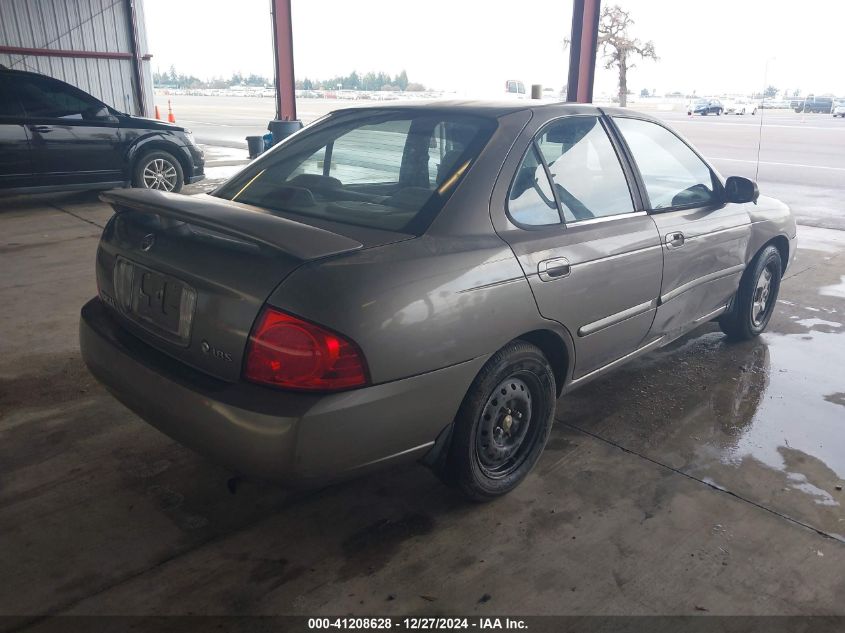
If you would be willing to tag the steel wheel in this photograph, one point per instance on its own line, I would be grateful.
(160, 173)
(503, 423)
(760, 301)
(754, 302)
(504, 433)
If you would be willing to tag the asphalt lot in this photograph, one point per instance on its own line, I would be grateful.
(705, 478)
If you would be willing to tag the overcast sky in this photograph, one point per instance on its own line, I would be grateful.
(472, 46)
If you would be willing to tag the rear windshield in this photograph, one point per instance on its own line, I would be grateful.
(381, 169)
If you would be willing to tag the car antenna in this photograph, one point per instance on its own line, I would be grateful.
(760, 136)
(762, 114)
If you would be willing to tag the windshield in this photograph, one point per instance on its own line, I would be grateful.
(382, 169)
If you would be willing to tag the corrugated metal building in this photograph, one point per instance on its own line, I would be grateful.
(99, 46)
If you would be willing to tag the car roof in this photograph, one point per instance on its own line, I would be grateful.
(500, 108)
(6, 69)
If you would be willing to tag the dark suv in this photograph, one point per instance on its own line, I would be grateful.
(54, 136)
(813, 104)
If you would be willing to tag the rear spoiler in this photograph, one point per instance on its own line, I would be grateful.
(233, 219)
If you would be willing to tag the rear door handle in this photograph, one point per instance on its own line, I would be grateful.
(674, 240)
(41, 129)
(551, 269)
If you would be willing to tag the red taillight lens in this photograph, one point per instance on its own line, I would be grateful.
(285, 351)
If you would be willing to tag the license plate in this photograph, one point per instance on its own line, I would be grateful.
(156, 301)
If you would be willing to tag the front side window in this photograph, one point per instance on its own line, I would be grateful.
(383, 169)
(674, 176)
(586, 173)
(45, 98)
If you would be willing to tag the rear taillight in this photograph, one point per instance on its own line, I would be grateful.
(285, 351)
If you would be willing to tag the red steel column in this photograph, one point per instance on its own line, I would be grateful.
(582, 50)
(283, 54)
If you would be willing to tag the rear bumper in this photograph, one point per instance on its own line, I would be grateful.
(285, 436)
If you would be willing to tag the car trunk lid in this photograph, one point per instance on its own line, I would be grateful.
(189, 274)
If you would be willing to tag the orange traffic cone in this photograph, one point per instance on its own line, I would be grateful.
(158, 114)
(170, 117)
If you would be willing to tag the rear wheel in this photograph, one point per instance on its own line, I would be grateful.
(158, 170)
(755, 300)
(503, 423)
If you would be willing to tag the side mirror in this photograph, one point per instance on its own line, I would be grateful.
(741, 190)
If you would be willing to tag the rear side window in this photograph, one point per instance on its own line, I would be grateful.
(586, 172)
(45, 98)
(674, 176)
(531, 201)
(383, 169)
(9, 104)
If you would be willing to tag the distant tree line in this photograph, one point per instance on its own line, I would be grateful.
(172, 79)
(370, 81)
(353, 81)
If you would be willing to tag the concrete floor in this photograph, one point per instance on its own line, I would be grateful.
(704, 478)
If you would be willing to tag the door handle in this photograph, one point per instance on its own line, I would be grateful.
(41, 129)
(551, 269)
(674, 240)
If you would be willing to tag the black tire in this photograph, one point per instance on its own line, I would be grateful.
(748, 317)
(516, 423)
(159, 170)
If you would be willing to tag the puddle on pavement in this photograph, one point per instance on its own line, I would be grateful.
(796, 410)
(834, 290)
(764, 419)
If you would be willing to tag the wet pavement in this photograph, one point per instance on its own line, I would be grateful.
(704, 478)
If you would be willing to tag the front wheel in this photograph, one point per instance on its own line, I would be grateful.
(755, 300)
(502, 424)
(158, 170)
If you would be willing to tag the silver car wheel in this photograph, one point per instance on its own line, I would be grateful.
(760, 301)
(160, 174)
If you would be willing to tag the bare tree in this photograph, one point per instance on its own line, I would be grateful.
(619, 48)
